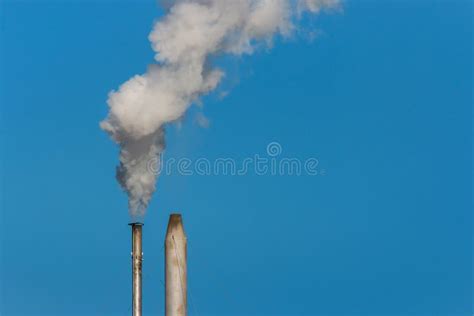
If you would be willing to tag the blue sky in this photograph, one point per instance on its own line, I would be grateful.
(382, 98)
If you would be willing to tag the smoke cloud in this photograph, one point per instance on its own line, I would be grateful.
(191, 32)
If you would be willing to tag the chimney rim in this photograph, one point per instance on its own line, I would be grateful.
(136, 224)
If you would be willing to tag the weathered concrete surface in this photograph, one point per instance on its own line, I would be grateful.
(175, 266)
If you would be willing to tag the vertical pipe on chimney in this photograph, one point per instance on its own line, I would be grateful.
(137, 257)
(175, 262)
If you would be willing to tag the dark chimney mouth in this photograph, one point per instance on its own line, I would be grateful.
(136, 224)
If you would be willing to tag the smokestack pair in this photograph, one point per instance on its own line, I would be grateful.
(175, 268)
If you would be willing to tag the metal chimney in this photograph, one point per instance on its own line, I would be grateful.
(175, 262)
(137, 257)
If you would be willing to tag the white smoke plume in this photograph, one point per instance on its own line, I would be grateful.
(191, 32)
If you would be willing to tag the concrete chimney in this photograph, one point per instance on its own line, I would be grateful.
(175, 266)
(137, 257)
